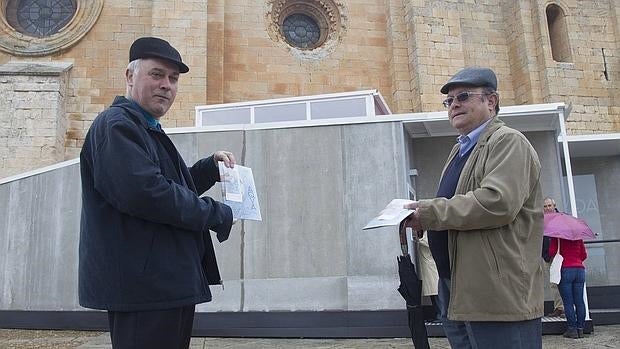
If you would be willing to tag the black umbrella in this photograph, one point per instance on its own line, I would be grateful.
(410, 289)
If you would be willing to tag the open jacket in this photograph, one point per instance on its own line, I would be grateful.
(495, 225)
(144, 235)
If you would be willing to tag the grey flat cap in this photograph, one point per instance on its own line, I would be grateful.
(472, 76)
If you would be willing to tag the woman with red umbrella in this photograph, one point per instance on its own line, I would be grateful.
(567, 235)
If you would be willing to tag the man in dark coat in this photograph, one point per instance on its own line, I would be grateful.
(146, 254)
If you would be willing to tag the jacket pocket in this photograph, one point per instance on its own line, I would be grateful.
(491, 253)
(149, 253)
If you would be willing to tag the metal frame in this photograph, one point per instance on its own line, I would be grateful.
(372, 98)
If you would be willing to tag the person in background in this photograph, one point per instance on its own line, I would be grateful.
(549, 206)
(485, 224)
(145, 251)
(572, 282)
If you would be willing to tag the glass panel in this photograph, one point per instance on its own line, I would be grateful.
(587, 209)
(596, 193)
(226, 116)
(338, 109)
(277, 113)
(40, 18)
(587, 202)
(378, 110)
(301, 31)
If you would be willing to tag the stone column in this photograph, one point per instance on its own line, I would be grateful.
(32, 115)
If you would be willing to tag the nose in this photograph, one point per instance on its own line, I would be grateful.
(165, 84)
(455, 105)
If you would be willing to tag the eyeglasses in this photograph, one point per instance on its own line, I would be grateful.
(461, 97)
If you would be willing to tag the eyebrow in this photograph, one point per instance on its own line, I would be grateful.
(160, 70)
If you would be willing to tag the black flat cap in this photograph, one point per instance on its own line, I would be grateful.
(472, 76)
(149, 47)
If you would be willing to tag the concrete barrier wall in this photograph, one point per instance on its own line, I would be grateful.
(39, 230)
(317, 187)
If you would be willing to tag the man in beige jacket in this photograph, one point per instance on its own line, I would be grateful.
(485, 225)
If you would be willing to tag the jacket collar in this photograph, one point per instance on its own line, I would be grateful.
(134, 112)
(493, 126)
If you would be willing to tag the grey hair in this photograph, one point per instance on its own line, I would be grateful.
(490, 91)
(134, 65)
(133, 68)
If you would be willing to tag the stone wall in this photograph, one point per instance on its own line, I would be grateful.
(255, 63)
(32, 115)
(404, 48)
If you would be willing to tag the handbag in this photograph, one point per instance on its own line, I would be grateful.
(555, 270)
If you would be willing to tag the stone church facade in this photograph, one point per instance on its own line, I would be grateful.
(63, 61)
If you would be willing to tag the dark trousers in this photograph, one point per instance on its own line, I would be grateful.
(165, 329)
(515, 334)
(487, 334)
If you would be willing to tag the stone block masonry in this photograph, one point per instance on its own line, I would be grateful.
(32, 115)
(405, 49)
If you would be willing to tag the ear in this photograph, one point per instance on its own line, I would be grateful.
(492, 101)
(129, 77)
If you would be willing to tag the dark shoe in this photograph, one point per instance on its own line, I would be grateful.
(580, 332)
(571, 333)
(557, 313)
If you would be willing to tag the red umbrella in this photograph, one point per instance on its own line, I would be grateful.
(564, 226)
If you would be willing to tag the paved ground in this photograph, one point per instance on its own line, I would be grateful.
(603, 337)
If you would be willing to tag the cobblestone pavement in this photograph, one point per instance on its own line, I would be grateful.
(603, 337)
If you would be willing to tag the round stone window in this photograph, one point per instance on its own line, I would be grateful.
(307, 27)
(301, 31)
(40, 18)
(43, 27)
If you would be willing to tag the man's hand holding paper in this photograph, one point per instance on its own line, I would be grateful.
(413, 220)
(392, 214)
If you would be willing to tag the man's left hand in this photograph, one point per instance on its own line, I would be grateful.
(227, 157)
(413, 222)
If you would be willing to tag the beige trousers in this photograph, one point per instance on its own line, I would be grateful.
(557, 299)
